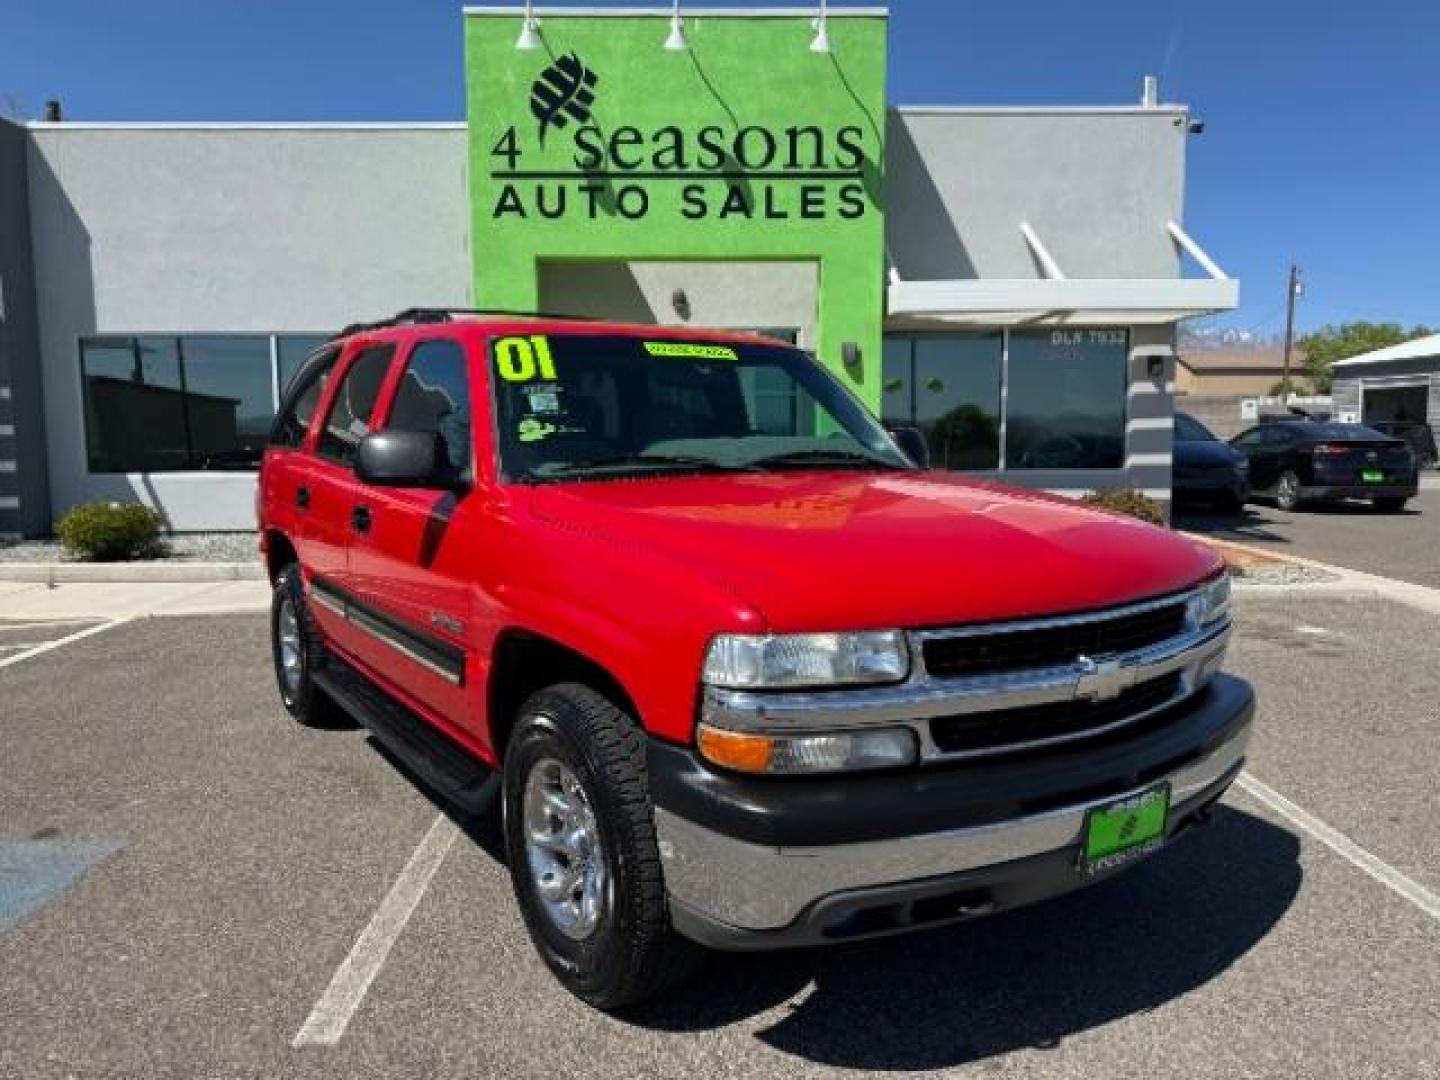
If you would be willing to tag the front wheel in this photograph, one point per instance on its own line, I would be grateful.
(1287, 491)
(299, 651)
(1390, 505)
(584, 861)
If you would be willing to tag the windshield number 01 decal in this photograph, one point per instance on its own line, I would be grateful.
(521, 359)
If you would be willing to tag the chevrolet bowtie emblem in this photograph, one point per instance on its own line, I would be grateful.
(1102, 680)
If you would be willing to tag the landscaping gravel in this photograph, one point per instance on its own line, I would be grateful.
(227, 547)
(1284, 574)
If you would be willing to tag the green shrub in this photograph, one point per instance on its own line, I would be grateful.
(1128, 501)
(110, 532)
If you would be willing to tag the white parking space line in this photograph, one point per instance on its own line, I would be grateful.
(58, 642)
(328, 1019)
(1342, 845)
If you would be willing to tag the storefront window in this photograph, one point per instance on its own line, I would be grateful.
(228, 399)
(173, 402)
(135, 416)
(291, 351)
(1066, 400)
(947, 385)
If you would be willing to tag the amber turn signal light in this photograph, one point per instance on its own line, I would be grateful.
(736, 749)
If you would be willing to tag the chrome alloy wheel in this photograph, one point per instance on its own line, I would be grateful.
(562, 842)
(1287, 491)
(292, 660)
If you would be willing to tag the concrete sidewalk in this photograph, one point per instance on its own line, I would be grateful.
(21, 601)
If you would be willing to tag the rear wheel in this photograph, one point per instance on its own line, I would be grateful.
(299, 651)
(1287, 491)
(584, 861)
(1390, 505)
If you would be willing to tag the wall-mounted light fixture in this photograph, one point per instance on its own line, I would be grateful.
(1155, 367)
(821, 41)
(851, 357)
(676, 41)
(529, 39)
(681, 303)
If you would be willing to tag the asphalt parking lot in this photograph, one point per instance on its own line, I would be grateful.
(1351, 534)
(183, 872)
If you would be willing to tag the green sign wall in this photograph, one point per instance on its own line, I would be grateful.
(603, 145)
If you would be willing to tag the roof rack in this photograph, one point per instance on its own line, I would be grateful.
(416, 316)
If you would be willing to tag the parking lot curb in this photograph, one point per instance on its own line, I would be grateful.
(1347, 582)
(136, 572)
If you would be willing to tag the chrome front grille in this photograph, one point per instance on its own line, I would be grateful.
(1043, 724)
(1046, 643)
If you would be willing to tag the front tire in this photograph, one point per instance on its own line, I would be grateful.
(584, 860)
(1287, 491)
(299, 651)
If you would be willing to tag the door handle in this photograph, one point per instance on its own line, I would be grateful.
(302, 498)
(360, 519)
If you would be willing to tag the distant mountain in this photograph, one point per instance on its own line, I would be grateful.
(1201, 338)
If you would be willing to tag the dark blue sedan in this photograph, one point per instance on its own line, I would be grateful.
(1206, 469)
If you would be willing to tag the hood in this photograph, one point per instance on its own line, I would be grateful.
(818, 551)
(1203, 453)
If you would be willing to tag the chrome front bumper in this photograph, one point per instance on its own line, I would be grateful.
(733, 883)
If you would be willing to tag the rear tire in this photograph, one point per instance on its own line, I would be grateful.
(602, 922)
(1287, 491)
(298, 649)
(1390, 505)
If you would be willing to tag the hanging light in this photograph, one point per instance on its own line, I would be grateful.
(821, 41)
(676, 41)
(529, 39)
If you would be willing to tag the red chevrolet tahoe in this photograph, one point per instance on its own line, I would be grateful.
(744, 673)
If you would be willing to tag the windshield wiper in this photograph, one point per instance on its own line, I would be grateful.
(826, 459)
(642, 462)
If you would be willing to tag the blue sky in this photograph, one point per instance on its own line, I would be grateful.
(1321, 141)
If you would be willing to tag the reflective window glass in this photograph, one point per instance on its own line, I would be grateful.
(229, 399)
(434, 396)
(349, 419)
(291, 351)
(1067, 399)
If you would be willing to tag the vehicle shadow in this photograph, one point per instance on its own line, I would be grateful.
(1024, 979)
(1355, 508)
(1253, 523)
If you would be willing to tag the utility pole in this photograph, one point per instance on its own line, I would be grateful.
(1292, 290)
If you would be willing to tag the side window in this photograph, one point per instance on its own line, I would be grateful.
(349, 419)
(1250, 440)
(1278, 438)
(299, 409)
(434, 396)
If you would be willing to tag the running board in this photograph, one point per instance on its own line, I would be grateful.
(438, 761)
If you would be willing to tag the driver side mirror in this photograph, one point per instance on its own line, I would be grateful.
(912, 444)
(413, 459)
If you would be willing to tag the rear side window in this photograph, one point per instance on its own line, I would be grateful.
(434, 396)
(302, 401)
(349, 419)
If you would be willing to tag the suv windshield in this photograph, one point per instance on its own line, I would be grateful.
(576, 406)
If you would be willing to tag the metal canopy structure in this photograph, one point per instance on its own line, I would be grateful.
(1057, 299)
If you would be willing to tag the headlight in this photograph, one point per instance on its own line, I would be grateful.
(790, 755)
(763, 661)
(1210, 604)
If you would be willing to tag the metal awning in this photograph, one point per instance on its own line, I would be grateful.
(1057, 299)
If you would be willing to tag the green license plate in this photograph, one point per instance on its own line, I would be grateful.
(1372, 476)
(1123, 831)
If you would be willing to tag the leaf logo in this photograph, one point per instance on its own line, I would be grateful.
(564, 91)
